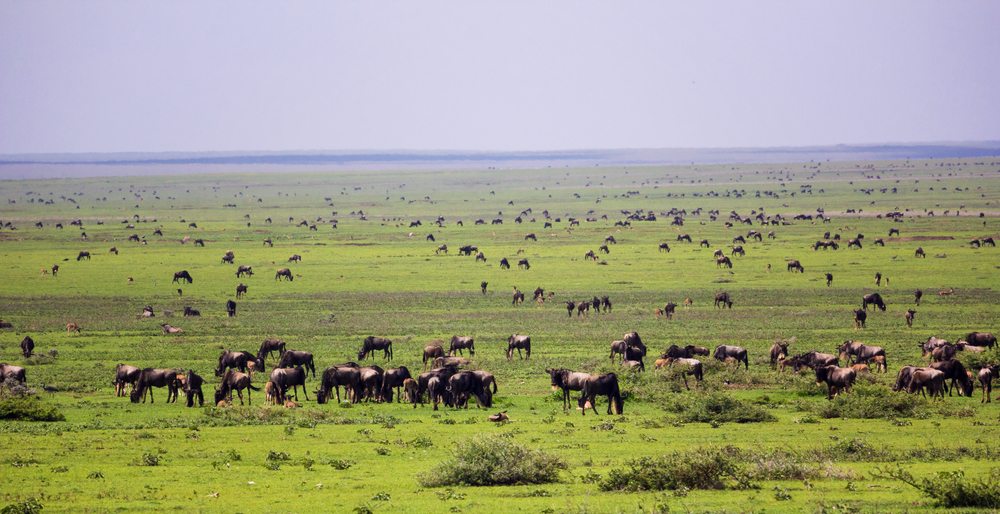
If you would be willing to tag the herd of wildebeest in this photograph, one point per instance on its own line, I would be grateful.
(451, 382)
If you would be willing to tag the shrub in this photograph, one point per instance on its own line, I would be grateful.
(28, 408)
(951, 488)
(494, 461)
(701, 469)
(720, 408)
(873, 401)
(29, 506)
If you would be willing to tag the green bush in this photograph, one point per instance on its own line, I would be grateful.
(702, 469)
(719, 408)
(29, 506)
(952, 489)
(28, 408)
(494, 461)
(873, 401)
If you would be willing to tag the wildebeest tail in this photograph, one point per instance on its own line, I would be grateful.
(251, 386)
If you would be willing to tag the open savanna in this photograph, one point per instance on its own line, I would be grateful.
(380, 276)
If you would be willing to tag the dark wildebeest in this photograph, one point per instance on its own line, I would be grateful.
(872, 299)
(738, 353)
(860, 317)
(684, 237)
(393, 378)
(114, 250)
(596, 303)
(692, 367)
(796, 266)
(909, 316)
(284, 274)
(190, 312)
(618, 348)
(518, 342)
(295, 258)
(292, 358)
(523, 264)
(229, 257)
(518, 297)
(855, 351)
(440, 249)
(570, 305)
(664, 247)
(955, 371)
(686, 352)
(932, 342)
(457, 362)
(27, 346)
(373, 343)
(244, 270)
(459, 343)
(125, 375)
(150, 378)
(531, 237)
(723, 300)
(191, 385)
(981, 339)
(283, 378)
(268, 242)
(347, 375)
(538, 295)
(483, 286)
(231, 308)
(55, 269)
(12, 373)
(739, 239)
(488, 379)
(431, 352)
(480, 257)
(435, 382)
(719, 254)
(986, 375)
(463, 384)
(183, 275)
(567, 381)
(241, 290)
(944, 352)
(854, 243)
(467, 250)
(237, 360)
(270, 346)
(668, 310)
(704, 243)
(738, 250)
(920, 253)
(723, 261)
(83, 255)
(837, 379)
(903, 377)
(603, 385)
(371, 382)
(926, 379)
(829, 279)
(917, 295)
(779, 351)
(582, 307)
(603, 249)
(813, 360)
(6, 324)
(504, 264)
(606, 304)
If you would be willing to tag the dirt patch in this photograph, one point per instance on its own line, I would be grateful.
(920, 238)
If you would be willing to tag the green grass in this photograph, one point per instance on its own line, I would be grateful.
(371, 278)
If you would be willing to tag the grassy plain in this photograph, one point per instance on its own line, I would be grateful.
(373, 278)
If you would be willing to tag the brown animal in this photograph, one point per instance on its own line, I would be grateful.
(947, 292)
(910, 314)
(860, 368)
(72, 327)
(433, 351)
(499, 417)
(167, 329)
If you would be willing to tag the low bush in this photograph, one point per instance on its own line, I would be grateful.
(702, 469)
(951, 488)
(28, 408)
(718, 408)
(494, 461)
(873, 401)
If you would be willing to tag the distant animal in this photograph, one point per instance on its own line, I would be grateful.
(483, 286)
(917, 295)
(947, 292)
(83, 255)
(872, 299)
(523, 264)
(779, 352)
(664, 247)
(603, 385)
(183, 276)
(920, 253)
(518, 342)
(190, 312)
(722, 300)
(606, 304)
(295, 258)
(72, 327)
(191, 384)
(269, 346)
(829, 279)
(704, 243)
(796, 266)
(6, 324)
(243, 269)
(985, 376)
(150, 378)
(283, 274)
(237, 360)
(229, 257)
(518, 297)
(981, 339)
(909, 316)
(838, 380)
(684, 237)
(854, 243)
(167, 329)
(283, 378)
(723, 261)
(241, 290)
(125, 376)
(114, 250)
(668, 310)
(346, 375)
(738, 353)
(374, 343)
(692, 367)
(431, 352)
(504, 264)
(297, 358)
(567, 381)
(231, 308)
(860, 316)
(459, 343)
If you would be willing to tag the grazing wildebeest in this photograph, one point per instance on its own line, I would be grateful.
(854, 243)
(488, 379)
(879, 242)
(191, 312)
(829, 279)
(437, 389)
(738, 250)
(519, 343)
(523, 264)
(373, 343)
(531, 237)
(284, 273)
(567, 381)
(347, 375)
(191, 385)
(27, 346)
(504, 264)
(988, 241)
(150, 378)
(878, 279)
(199, 242)
(856, 351)
(114, 250)
(814, 360)
(83, 255)
(167, 329)
(467, 250)
(872, 299)
(459, 343)
(393, 378)
(6, 324)
(481, 257)
(692, 367)
(603, 249)
(684, 237)
(917, 295)
(241, 290)
(269, 346)
(926, 379)
(944, 352)
(243, 269)
(231, 308)
(229, 257)
(954, 370)
(292, 358)
(295, 258)
(596, 304)
(283, 378)
(570, 305)
(238, 360)
(125, 375)
(183, 275)
(739, 239)
(618, 348)
(268, 242)
(909, 316)
(582, 307)
(986, 375)
(723, 300)
(606, 304)
(668, 310)
(518, 297)
(12, 373)
(779, 351)
(860, 316)
(794, 265)
(604, 385)
(664, 247)
(371, 382)
(718, 254)
(738, 353)
(981, 339)
(704, 243)
(432, 351)
(837, 379)
(483, 285)
(903, 377)
(465, 383)
(920, 253)
(538, 295)
(440, 249)
(932, 342)
(590, 255)
(723, 261)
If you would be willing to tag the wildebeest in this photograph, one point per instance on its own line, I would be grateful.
(480, 257)
(570, 306)
(986, 375)
(229, 257)
(504, 264)
(567, 381)
(582, 307)
(779, 352)
(191, 384)
(441, 249)
(373, 343)
(114, 250)
(518, 342)
(794, 265)
(432, 351)
(590, 255)
(292, 358)
(932, 342)
(860, 316)
(909, 316)
(722, 300)
(603, 249)
(738, 250)
(981, 339)
(393, 378)
(692, 367)
(837, 379)
(603, 385)
(530, 237)
(238, 360)
(854, 243)
(903, 377)
(872, 299)
(518, 297)
(6, 324)
(231, 308)
(295, 258)
(167, 329)
(723, 261)
(856, 351)
(269, 346)
(523, 264)
(926, 379)
(183, 275)
(27, 346)
(190, 312)
(125, 375)
(459, 343)
(954, 370)
(467, 250)
(243, 269)
(371, 382)
(347, 375)
(917, 295)
(483, 285)
(463, 384)
(268, 242)
(283, 378)
(150, 378)
(684, 237)
(83, 255)
(738, 353)
(241, 290)
(606, 304)
(829, 279)
(668, 310)
(284, 274)
(920, 253)
(704, 243)
(664, 247)
(12, 373)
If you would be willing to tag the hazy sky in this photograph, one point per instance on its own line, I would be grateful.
(101, 76)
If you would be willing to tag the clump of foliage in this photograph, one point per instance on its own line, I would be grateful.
(29, 506)
(719, 407)
(18, 402)
(873, 401)
(952, 489)
(703, 469)
(494, 461)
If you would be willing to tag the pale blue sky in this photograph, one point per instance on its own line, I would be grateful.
(101, 76)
